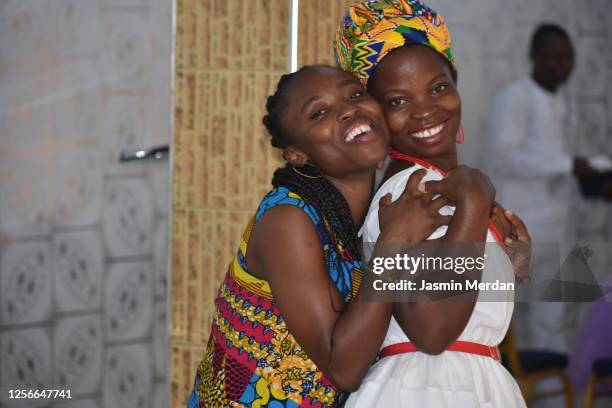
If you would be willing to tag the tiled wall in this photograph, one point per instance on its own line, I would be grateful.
(84, 239)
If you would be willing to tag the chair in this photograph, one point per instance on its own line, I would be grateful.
(602, 370)
(531, 367)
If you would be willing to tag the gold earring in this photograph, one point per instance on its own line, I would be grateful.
(305, 175)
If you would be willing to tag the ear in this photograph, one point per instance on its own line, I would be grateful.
(295, 156)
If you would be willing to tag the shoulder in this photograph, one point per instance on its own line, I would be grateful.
(288, 202)
(520, 88)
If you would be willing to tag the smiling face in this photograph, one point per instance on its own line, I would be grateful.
(333, 123)
(415, 87)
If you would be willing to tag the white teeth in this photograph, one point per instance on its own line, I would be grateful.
(357, 131)
(428, 132)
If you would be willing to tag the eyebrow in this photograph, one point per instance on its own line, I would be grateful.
(309, 101)
(348, 81)
(344, 82)
(441, 74)
(399, 91)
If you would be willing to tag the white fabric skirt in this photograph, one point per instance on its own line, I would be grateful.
(451, 379)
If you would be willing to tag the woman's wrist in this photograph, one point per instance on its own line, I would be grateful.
(475, 201)
(387, 237)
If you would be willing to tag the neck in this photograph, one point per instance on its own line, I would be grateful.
(357, 191)
(445, 162)
(544, 82)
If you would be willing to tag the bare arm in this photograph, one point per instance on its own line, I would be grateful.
(285, 250)
(433, 325)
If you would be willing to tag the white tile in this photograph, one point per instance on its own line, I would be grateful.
(79, 270)
(128, 302)
(592, 137)
(74, 27)
(24, 200)
(591, 66)
(127, 377)
(159, 19)
(76, 113)
(78, 186)
(78, 347)
(127, 126)
(161, 250)
(161, 343)
(161, 394)
(26, 274)
(128, 217)
(593, 14)
(126, 50)
(563, 12)
(160, 99)
(125, 3)
(496, 27)
(527, 11)
(158, 173)
(26, 358)
(456, 13)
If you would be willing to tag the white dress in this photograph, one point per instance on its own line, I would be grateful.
(451, 379)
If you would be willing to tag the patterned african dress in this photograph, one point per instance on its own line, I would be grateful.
(252, 360)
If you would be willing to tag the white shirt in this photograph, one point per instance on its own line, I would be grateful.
(528, 158)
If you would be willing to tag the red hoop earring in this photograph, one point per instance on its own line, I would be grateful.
(460, 139)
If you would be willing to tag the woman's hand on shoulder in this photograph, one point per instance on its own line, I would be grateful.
(413, 216)
(519, 245)
(500, 220)
(464, 185)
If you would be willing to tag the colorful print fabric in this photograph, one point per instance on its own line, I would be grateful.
(252, 360)
(370, 30)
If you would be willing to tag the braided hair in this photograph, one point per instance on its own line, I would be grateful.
(307, 181)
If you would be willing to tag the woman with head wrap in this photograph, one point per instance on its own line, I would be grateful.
(436, 353)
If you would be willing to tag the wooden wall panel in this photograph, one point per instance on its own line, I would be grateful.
(229, 56)
(317, 30)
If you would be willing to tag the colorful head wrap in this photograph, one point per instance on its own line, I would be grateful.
(371, 29)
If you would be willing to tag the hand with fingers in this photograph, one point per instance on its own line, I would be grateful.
(499, 219)
(413, 216)
(519, 245)
(516, 238)
(464, 185)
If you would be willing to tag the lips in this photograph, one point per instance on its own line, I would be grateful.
(428, 132)
(361, 130)
(431, 135)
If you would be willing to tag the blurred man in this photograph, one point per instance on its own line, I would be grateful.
(529, 160)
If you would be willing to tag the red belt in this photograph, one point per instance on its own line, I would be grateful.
(461, 346)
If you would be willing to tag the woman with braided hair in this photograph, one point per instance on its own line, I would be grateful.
(436, 353)
(291, 327)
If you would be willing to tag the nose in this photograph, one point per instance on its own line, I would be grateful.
(347, 112)
(422, 111)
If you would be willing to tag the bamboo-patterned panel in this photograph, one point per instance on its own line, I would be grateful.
(229, 56)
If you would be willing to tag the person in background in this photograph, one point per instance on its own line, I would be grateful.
(529, 161)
